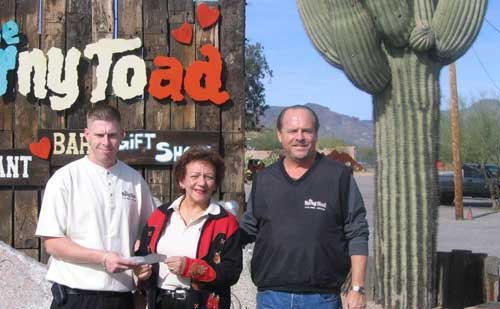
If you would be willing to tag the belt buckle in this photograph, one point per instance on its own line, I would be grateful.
(180, 294)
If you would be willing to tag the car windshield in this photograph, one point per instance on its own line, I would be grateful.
(492, 169)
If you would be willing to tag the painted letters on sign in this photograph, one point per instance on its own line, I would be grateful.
(139, 147)
(39, 73)
(8, 55)
(20, 167)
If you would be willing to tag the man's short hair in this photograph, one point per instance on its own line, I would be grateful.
(279, 121)
(101, 111)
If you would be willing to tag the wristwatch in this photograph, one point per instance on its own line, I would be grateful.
(358, 288)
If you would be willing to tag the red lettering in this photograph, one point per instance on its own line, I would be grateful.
(169, 69)
(211, 71)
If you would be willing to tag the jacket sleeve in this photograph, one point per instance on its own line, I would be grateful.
(143, 242)
(150, 284)
(355, 224)
(229, 269)
(223, 273)
(248, 223)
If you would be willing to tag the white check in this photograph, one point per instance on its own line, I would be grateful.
(148, 259)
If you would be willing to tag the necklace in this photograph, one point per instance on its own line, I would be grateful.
(191, 217)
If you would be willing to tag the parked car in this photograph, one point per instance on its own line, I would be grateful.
(492, 169)
(476, 182)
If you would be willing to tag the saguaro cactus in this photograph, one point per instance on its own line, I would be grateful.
(394, 50)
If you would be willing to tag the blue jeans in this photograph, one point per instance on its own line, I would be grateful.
(283, 300)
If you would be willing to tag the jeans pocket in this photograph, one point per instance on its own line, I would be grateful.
(328, 298)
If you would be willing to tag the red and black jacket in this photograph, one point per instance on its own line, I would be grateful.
(218, 262)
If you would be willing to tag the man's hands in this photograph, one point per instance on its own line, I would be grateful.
(115, 263)
(355, 300)
(176, 264)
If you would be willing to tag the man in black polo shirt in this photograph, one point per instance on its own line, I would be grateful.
(307, 218)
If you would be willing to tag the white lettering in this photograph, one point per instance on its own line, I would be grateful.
(120, 77)
(84, 145)
(29, 61)
(178, 151)
(68, 87)
(167, 153)
(2, 172)
(25, 160)
(59, 139)
(104, 49)
(72, 147)
(149, 136)
(138, 140)
(12, 167)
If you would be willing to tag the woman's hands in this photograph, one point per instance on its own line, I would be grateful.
(143, 272)
(176, 264)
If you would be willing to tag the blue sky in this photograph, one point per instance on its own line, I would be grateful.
(301, 75)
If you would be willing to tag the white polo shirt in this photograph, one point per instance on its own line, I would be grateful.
(97, 208)
(179, 239)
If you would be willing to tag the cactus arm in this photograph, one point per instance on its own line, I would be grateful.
(393, 19)
(423, 10)
(316, 17)
(359, 46)
(422, 38)
(456, 24)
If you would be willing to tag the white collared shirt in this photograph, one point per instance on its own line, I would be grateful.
(179, 239)
(97, 208)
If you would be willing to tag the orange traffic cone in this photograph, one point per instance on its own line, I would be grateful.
(470, 216)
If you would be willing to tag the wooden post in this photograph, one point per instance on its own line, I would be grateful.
(103, 27)
(455, 132)
(130, 26)
(53, 35)
(78, 35)
(26, 125)
(207, 114)
(183, 113)
(460, 279)
(180, 11)
(157, 112)
(232, 48)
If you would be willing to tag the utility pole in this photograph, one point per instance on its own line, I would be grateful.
(455, 145)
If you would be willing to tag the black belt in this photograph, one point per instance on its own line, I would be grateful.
(177, 294)
(72, 291)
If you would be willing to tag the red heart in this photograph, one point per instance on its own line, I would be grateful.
(206, 15)
(41, 148)
(183, 34)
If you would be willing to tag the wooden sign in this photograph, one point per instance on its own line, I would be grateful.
(18, 167)
(138, 147)
(202, 81)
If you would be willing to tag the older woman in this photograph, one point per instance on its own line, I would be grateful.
(198, 236)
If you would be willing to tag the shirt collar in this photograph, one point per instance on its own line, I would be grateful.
(112, 170)
(212, 209)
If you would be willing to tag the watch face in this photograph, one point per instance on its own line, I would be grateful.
(359, 289)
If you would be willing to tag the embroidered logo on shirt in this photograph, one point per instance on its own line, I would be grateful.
(310, 204)
(128, 196)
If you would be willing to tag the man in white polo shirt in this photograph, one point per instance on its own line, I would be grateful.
(92, 212)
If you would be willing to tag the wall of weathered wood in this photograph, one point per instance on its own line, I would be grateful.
(76, 23)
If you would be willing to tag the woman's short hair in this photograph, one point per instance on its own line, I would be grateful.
(199, 153)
